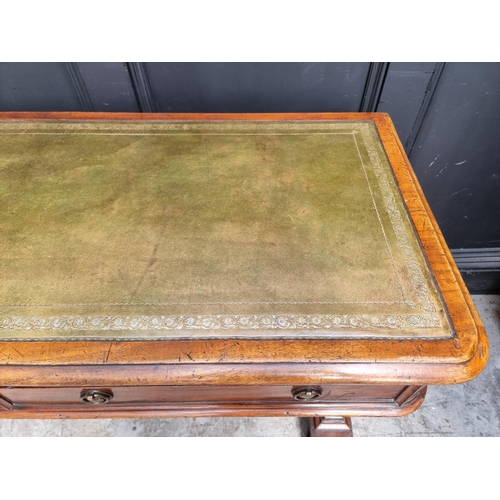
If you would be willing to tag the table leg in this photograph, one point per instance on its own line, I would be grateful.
(330, 427)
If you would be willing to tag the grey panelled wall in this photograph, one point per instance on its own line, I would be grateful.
(37, 87)
(66, 87)
(457, 154)
(446, 115)
(403, 94)
(109, 87)
(257, 87)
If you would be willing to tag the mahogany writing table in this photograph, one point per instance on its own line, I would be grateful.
(195, 265)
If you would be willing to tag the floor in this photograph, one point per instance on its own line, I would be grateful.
(471, 409)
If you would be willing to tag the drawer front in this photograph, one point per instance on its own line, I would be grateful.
(183, 394)
(202, 400)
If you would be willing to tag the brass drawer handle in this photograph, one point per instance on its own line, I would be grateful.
(96, 397)
(307, 393)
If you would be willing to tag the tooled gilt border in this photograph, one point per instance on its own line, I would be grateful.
(248, 321)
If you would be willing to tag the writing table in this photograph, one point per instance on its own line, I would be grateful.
(174, 265)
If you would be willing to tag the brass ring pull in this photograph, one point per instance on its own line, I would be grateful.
(96, 397)
(307, 393)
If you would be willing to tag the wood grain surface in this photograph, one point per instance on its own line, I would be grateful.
(196, 401)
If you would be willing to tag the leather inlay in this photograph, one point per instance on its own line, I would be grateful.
(142, 230)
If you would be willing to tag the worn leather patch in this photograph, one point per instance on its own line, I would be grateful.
(158, 230)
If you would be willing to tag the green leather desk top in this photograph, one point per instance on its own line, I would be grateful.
(159, 230)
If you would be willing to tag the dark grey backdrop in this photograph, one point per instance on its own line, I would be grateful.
(447, 115)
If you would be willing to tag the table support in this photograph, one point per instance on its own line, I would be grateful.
(330, 427)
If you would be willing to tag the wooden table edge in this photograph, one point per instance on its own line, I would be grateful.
(469, 356)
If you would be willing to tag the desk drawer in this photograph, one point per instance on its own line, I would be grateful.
(200, 400)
